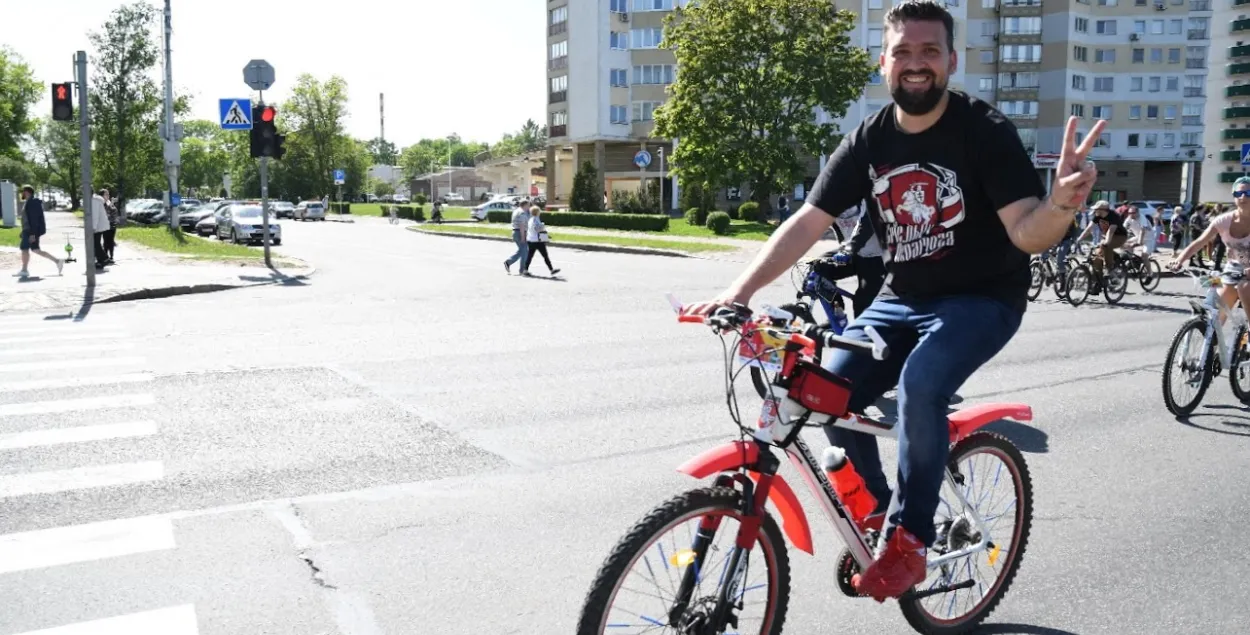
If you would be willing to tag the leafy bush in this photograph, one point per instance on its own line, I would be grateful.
(733, 212)
(421, 200)
(624, 202)
(749, 212)
(597, 220)
(586, 194)
(696, 217)
(408, 212)
(718, 222)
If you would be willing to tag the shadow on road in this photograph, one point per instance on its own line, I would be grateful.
(1235, 425)
(548, 279)
(1021, 629)
(276, 276)
(1141, 306)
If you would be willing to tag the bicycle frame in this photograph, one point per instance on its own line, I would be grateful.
(780, 427)
(1213, 307)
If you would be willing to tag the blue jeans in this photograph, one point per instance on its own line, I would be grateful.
(935, 345)
(522, 249)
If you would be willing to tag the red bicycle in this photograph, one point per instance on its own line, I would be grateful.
(670, 574)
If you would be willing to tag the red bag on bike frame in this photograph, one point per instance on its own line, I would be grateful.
(819, 390)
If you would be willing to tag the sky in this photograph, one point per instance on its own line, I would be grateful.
(471, 67)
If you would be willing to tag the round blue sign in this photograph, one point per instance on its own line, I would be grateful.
(642, 159)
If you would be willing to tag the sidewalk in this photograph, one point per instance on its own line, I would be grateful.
(140, 273)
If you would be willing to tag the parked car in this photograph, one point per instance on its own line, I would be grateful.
(480, 212)
(243, 224)
(454, 197)
(282, 209)
(146, 212)
(309, 210)
(188, 219)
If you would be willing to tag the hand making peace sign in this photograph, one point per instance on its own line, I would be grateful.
(1074, 174)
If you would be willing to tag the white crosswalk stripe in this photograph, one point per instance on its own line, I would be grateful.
(64, 385)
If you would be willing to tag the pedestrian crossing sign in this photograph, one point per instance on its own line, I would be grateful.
(1245, 154)
(236, 114)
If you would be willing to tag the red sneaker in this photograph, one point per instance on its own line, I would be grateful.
(900, 567)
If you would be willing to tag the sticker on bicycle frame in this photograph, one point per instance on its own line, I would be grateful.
(769, 414)
(761, 350)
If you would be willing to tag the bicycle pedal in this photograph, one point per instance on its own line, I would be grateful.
(846, 569)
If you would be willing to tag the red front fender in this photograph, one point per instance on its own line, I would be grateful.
(732, 456)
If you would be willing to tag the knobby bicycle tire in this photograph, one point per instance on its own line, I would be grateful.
(1198, 324)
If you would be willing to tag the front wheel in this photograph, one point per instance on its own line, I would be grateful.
(1079, 280)
(1150, 274)
(1192, 374)
(1037, 275)
(680, 575)
(1114, 284)
(994, 504)
(1239, 366)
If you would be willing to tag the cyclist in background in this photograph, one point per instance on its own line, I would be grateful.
(860, 255)
(1234, 229)
(1114, 236)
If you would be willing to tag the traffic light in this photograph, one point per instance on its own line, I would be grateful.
(264, 131)
(278, 149)
(63, 102)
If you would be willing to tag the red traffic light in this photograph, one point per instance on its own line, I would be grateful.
(267, 114)
(61, 92)
(62, 102)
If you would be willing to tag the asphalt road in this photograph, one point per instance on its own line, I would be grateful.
(414, 442)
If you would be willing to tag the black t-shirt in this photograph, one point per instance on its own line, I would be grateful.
(1111, 221)
(934, 199)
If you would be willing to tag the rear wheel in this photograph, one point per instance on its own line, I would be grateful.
(668, 552)
(992, 476)
(1184, 383)
(1114, 284)
(1239, 367)
(1150, 274)
(1037, 273)
(1079, 280)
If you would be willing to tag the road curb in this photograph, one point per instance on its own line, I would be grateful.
(641, 251)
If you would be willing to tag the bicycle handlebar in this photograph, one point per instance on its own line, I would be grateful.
(726, 318)
(877, 347)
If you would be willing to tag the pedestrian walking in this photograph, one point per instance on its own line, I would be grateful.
(537, 240)
(520, 229)
(783, 210)
(34, 225)
(99, 225)
(115, 220)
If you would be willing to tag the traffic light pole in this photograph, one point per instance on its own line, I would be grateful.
(84, 149)
(264, 194)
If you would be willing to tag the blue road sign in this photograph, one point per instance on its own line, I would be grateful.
(340, 177)
(1245, 154)
(642, 159)
(175, 200)
(235, 114)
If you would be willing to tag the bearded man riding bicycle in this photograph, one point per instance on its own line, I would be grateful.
(959, 206)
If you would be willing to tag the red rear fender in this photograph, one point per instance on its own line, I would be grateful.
(732, 456)
(967, 420)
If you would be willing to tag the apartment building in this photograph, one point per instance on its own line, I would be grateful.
(1140, 64)
(1228, 104)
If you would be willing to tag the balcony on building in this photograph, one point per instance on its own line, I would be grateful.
(1200, 5)
(1237, 112)
(1241, 68)
(1199, 34)
(1017, 8)
(1239, 25)
(557, 97)
(1235, 133)
(1240, 3)
(1229, 177)
(558, 131)
(1242, 90)
(1231, 155)
(558, 63)
(557, 28)
(1239, 51)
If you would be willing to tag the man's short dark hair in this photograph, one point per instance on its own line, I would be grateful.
(28, 189)
(924, 10)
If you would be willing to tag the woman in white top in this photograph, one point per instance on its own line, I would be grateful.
(536, 235)
(1234, 229)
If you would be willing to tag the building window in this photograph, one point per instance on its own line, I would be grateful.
(1019, 80)
(1152, 139)
(989, 29)
(987, 57)
(1107, 3)
(1174, 56)
(653, 5)
(619, 77)
(1104, 84)
(1134, 84)
(1134, 139)
(1078, 82)
(559, 84)
(1078, 110)
(619, 115)
(1022, 26)
(874, 4)
(618, 6)
(1104, 140)
(1156, 56)
(1156, 27)
(1081, 25)
(645, 110)
(1080, 53)
(989, 4)
(1169, 113)
(1102, 112)
(1139, 56)
(986, 84)
(877, 38)
(1104, 27)
(1191, 139)
(653, 74)
(1107, 56)
(1174, 84)
(1139, 27)
(1028, 136)
(560, 49)
(618, 41)
(648, 38)
(1134, 112)
(1152, 112)
(1021, 52)
(1155, 82)
(1175, 27)
(1025, 109)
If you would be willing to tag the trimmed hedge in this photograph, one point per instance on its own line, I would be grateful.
(340, 208)
(408, 212)
(696, 217)
(718, 222)
(596, 220)
(749, 211)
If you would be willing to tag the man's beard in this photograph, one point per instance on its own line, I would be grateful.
(914, 103)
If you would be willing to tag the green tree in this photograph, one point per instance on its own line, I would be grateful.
(382, 151)
(57, 155)
(16, 170)
(315, 113)
(753, 73)
(18, 92)
(586, 196)
(125, 102)
(205, 155)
